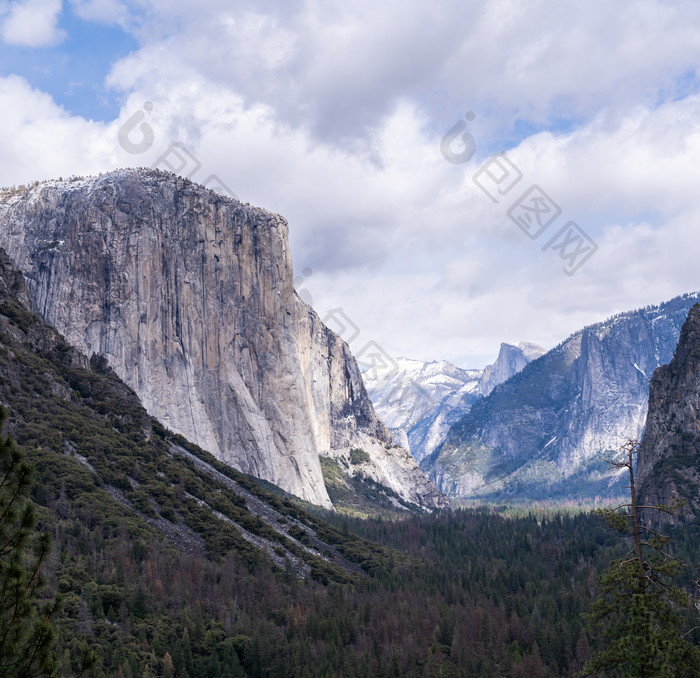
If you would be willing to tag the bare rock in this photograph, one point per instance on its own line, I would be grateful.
(189, 297)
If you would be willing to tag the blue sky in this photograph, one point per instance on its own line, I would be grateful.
(74, 71)
(333, 113)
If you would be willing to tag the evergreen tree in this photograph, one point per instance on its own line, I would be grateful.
(26, 633)
(638, 605)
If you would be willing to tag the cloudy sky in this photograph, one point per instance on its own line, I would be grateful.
(455, 174)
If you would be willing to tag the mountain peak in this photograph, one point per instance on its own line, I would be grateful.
(511, 359)
(420, 400)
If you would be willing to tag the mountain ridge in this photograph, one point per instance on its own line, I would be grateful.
(549, 428)
(511, 359)
(419, 401)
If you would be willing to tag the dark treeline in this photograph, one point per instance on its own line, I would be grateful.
(468, 593)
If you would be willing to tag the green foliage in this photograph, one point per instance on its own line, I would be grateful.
(157, 578)
(17, 314)
(639, 621)
(358, 456)
(638, 608)
(360, 496)
(26, 633)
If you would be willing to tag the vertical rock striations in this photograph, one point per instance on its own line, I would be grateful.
(668, 467)
(511, 359)
(189, 296)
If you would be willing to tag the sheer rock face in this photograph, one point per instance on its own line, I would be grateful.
(511, 359)
(669, 457)
(189, 296)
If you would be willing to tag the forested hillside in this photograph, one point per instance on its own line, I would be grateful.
(170, 563)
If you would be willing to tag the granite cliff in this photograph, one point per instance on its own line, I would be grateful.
(101, 460)
(511, 359)
(668, 465)
(189, 296)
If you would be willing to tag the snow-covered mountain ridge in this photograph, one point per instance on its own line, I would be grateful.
(419, 401)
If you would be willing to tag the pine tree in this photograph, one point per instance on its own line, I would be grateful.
(637, 609)
(26, 633)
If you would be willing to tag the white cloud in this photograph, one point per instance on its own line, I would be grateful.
(339, 68)
(40, 140)
(102, 11)
(331, 114)
(33, 23)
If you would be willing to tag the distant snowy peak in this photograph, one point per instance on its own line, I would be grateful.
(419, 401)
(511, 359)
(407, 391)
(530, 350)
(548, 431)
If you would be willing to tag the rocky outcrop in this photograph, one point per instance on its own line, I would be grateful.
(343, 418)
(668, 466)
(547, 431)
(93, 445)
(511, 359)
(189, 296)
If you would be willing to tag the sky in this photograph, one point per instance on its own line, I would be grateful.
(454, 174)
